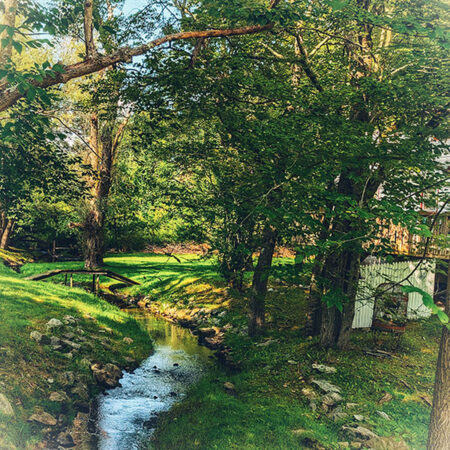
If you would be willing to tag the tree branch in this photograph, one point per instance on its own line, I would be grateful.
(78, 135)
(304, 62)
(125, 54)
(319, 46)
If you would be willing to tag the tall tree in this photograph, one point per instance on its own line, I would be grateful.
(105, 136)
(439, 431)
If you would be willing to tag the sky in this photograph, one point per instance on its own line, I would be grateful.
(131, 6)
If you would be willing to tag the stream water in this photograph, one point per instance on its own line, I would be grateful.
(127, 414)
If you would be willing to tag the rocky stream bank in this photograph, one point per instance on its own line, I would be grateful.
(70, 420)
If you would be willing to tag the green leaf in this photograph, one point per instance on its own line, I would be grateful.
(44, 97)
(338, 4)
(442, 316)
(17, 46)
(426, 297)
(335, 298)
(58, 68)
(108, 28)
(31, 93)
(5, 42)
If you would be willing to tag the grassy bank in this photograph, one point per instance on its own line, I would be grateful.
(272, 408)
(30, 371)
(274, 403)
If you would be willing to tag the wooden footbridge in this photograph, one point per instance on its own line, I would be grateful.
(95, 276)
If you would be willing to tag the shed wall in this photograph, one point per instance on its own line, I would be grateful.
(376, 274)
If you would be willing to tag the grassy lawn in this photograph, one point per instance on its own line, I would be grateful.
(26, 367)
(271, 407)
(156, 273)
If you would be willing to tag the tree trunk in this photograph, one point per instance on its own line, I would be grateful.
(8, 19)
(236, 254)
(342, 271)
(2, 222)
(342, 268)
(93, 238)
(259, 284)
(102, 160)
(313, 315)
(241, 263)
(439, 431)
(4, 241)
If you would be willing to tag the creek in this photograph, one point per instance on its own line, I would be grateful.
(127, 415)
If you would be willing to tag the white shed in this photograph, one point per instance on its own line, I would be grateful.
(374, 275)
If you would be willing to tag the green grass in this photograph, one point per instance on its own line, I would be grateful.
(156, 273)
(14, 257)
(270, 405)
(211, 419)
(26, 366)
(270, 411)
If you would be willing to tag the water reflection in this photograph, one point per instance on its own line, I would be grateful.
(127, 414)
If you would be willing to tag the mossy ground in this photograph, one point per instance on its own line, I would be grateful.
(270, 411)
(26, 367)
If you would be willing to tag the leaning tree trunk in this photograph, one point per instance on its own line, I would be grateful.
(439, 431)
(259, 283)
(5, 236)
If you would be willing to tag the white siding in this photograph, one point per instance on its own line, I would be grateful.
(376, 274)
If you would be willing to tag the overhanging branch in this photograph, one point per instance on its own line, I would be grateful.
(9, 97)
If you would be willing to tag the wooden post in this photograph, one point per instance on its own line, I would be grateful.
(71, 280)
(65, 280)
(98, 283)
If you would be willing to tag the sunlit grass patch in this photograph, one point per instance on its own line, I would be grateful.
(25, 366)
(270, 409)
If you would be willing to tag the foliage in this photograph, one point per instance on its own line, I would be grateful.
(428, 302)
